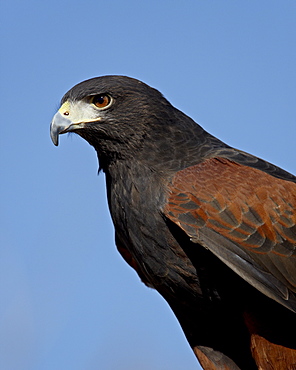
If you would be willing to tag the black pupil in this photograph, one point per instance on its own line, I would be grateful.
(99, 99)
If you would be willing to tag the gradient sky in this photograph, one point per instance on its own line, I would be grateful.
(68, 300)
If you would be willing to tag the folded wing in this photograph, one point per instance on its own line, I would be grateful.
(246, 217)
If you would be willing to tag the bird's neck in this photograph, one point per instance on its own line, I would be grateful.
(165, 147)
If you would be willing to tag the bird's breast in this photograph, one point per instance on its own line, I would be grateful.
(136, 200)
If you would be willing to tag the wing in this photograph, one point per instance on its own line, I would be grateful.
(245, 216)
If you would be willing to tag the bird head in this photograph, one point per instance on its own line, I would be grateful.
(124, 118)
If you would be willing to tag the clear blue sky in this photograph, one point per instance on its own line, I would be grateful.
(68, 300)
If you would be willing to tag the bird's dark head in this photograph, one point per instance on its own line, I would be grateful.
(123, 118)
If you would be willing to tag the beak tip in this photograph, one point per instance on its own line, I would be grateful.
(58, 126)
(54, 137)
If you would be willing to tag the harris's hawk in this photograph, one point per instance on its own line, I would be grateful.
(211, 228)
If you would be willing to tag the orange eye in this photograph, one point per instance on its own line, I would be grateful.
(101, 101)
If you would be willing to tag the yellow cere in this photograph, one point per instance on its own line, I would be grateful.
(80, 111)
(65, 108)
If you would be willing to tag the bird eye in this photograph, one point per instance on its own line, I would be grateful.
(101, 101)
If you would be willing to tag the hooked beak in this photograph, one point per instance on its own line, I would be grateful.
(59, 125)
(72, 116)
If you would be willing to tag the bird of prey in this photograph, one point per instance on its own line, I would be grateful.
(210, 227)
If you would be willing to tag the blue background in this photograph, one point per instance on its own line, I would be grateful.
(68, 300)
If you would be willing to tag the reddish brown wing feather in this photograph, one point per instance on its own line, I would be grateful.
(248, 207)
(270, 356)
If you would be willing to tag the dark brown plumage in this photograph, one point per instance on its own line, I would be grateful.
(212, 228)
